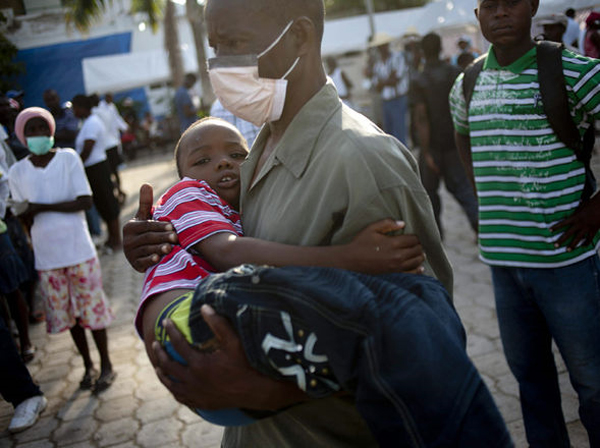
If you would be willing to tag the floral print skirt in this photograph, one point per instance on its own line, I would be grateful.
(72, 293)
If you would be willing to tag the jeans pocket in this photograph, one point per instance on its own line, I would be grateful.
(285, 347)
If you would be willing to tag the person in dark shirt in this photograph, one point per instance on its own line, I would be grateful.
(67, 126)
(439, 158)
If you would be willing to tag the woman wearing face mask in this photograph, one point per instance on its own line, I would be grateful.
(53, 186)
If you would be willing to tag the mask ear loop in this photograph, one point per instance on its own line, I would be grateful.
(291, 68)
(276, 41)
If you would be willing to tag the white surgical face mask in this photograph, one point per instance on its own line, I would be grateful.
(240, 90)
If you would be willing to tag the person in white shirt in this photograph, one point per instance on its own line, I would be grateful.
(571, 36)
(390, 78)
(340, 79)
(90, 144)
(114, 124)
(247, 129)
(53, 183)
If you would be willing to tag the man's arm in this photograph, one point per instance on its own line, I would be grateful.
(223, 378)
(582, 226)
(423, 132)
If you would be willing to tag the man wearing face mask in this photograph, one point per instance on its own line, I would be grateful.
(317, 174)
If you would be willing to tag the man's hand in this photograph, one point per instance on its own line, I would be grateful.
(375, 251)
(581, 226)
(144, 240)
(220, 379)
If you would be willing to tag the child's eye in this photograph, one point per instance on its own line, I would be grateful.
(202, 161)
(238, 155)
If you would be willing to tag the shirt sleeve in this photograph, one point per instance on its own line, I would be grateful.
(390, 187)
(13, 184)
(92, 130)
(458, 107)
(587, 88)
(195, 211)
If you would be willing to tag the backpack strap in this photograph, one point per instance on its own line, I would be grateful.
(553, 90)
(470, 78)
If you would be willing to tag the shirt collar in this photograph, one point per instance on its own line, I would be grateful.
(295, 148)
(525, 61)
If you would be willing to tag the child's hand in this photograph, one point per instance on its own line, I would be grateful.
(144, 240)
(375, 251)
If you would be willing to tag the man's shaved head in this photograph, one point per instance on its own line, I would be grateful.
(283, 11)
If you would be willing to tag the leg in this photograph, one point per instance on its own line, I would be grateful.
(527, 346)
(402, 115)
(16, 384)
(431, 182)
(89, 298)
(571, 307)
(334, 334)
(459, 186)
(20, 312)
(93, 221)
(78, 335)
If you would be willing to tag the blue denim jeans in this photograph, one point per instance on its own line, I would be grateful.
(394, 117)
(534, 307)
(394, 341)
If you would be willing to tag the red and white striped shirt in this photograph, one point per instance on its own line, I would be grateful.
(196, 212)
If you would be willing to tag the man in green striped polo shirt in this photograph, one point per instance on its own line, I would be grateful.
(535, 232)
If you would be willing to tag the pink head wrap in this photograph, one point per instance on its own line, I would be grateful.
(28, 114)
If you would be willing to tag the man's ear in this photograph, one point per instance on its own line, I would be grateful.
(535, 4)
(305, 33)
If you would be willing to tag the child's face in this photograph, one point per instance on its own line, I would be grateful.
(213, 152)
(506, 23)
(36, 127)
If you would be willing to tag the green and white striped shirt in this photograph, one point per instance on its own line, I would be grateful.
(527, 180)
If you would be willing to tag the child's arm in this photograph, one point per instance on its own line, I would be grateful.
(373, 251)
(80, 203)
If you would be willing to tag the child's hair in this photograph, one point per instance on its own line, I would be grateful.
(196, 124)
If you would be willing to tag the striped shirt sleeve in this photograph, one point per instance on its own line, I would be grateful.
(196, 212)
(458, 107)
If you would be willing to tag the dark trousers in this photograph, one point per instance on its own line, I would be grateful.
(394, 341)
(456, 181)
(16, 384)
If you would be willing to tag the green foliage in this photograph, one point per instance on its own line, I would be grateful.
(8, 67)
(152, 8)
(83, 13)
(346, 8)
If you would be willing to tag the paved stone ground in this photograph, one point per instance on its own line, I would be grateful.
(138, 412)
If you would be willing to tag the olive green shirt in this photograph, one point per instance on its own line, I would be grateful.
(332, 174)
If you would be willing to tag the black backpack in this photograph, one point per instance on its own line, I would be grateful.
(556, 105)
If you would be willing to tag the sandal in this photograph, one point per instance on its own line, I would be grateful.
(89, 379)
(28, 354)
(104, 382)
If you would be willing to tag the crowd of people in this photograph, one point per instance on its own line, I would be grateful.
(338, 329)
(58, 175)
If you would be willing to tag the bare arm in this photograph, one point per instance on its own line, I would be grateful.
(88, 145)
(371, 252)
(463, 143)
(80, 203)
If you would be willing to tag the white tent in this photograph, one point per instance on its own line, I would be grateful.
(130, 70)
(351, 34)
